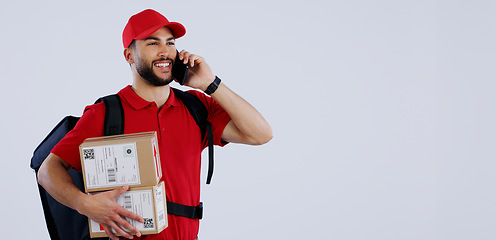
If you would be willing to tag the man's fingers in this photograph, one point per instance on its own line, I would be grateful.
(184, 55)
(125, 224)
(192, 59)
(181, 54)
(116, 192)
(121, 232)
(195, 59)
(117, 220)
(117, 226)
(126, 213)
(187, 55)
(109, 232)
(121, 227)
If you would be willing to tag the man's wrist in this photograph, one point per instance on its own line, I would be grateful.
(213, 86)
(81, 203)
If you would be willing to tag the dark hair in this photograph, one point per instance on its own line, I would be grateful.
(133, 44)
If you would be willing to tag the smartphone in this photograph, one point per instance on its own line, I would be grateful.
(179, 70)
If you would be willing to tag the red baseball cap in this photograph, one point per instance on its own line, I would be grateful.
(146, 22)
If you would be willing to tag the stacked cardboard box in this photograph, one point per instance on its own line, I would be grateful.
(111, 162)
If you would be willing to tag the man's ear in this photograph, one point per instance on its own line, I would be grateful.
(129, 55)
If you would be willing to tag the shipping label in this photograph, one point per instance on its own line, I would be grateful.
(139, 202)
(159, 202)
(111, 165)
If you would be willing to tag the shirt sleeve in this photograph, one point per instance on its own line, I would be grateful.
(89, 125)
(217, 116)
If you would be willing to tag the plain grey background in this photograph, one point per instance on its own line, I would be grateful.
(382, 111)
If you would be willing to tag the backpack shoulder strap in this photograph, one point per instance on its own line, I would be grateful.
(195, 107)
(114, 115)
(200, 113)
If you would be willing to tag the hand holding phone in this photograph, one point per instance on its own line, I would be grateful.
(179, 70)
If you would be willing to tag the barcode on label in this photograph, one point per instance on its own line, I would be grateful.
(89, 154)
(111, 175)
(148, 223)
(127, 202)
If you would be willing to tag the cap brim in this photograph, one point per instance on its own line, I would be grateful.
(177, 29)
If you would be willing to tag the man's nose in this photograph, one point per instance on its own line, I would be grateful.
(164, 52)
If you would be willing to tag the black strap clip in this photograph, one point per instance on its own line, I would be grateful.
(193, 212)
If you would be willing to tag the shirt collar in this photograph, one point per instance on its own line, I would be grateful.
(139, 103)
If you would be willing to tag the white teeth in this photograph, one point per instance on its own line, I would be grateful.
(162, 64)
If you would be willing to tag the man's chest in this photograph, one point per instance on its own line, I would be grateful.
(177, 132)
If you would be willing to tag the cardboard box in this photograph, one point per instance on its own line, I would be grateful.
(148, 202)
(113, 161)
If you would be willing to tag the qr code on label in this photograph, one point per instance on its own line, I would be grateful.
(148, 223)
(89, 154)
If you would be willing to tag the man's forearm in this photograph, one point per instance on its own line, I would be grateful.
(53, 176)
(102, 208)
(250, 125)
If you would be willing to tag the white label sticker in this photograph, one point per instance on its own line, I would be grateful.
(159, 202)
(111, 165)
(139, 202)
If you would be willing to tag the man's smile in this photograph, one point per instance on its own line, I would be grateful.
(163, 65)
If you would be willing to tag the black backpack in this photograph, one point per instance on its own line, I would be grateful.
(65, 223)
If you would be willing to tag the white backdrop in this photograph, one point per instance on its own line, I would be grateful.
(383, 111)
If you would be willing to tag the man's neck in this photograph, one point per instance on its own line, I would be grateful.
(151, 93)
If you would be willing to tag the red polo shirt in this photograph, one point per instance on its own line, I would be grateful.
(180, 147)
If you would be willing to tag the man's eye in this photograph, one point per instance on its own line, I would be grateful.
(153, 43)
(171, 43)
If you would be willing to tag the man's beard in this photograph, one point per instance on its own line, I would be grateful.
(146, 72)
